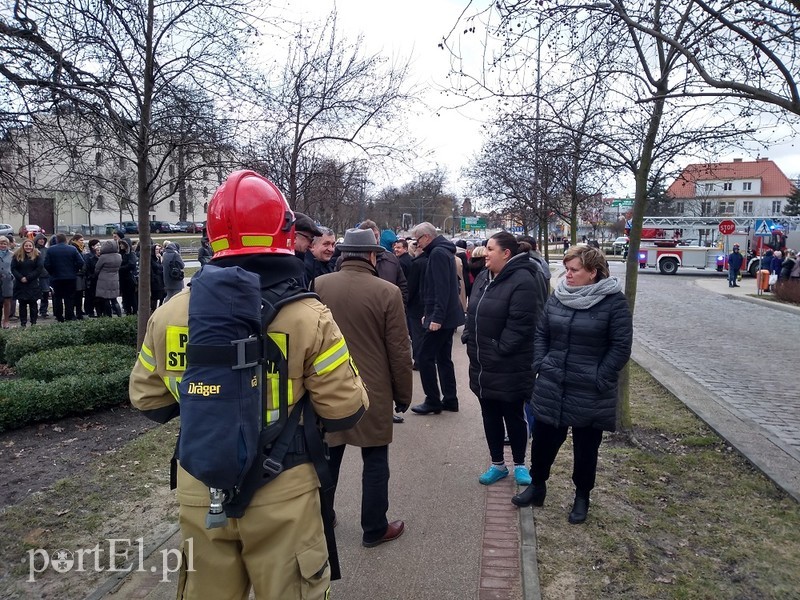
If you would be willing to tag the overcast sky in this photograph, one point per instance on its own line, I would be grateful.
(414, 28)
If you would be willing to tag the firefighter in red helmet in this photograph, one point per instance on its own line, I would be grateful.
(278, 547)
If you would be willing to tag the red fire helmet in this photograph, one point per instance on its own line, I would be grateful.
(249, 215)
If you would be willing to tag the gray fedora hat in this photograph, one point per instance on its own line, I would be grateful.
(359, 240)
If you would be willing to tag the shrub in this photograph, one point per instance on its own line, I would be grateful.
(89, 361)
(21, 342)
(25, 401)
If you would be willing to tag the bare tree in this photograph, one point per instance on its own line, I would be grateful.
(114, 60)
(642, 134)
(331, 99)
(739, 48)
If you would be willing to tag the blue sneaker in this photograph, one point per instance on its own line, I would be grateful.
(493, 474)
(521, 475)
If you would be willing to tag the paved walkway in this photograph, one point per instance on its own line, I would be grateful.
(467, 541)
(462, 539)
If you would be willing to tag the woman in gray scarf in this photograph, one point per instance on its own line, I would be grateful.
(582, 342)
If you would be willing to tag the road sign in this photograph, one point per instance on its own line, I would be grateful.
(622, 202)
(727, 227)
(473, 223)
(763, 227)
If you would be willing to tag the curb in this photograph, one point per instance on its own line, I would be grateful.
(769, 455)
(529, 562)
(115, 582)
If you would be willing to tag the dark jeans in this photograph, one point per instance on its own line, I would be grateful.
(128, 290)
(733, 275)
(63, 299)
(435, 358)
(88, 299)
(547, 441)
(24, 305)
(500, 416)
(417, 332)
(44, 282)
(374, 488)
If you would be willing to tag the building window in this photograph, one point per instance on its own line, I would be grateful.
(98, 159)
(708, 187)
(727, 186)
(747, 207)
(190, 206)
(747, 186)
(205, 207)
(705, 209)
(726, 208)
(205, 192)
(679, 208)
(172, 205)
(172, 170)
(123, 183)
(121, 163)
(205, 175)
(776, 207)
(101, 203)
(190, 191)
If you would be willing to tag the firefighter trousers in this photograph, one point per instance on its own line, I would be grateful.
(278, 549)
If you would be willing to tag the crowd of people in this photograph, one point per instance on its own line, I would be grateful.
(76, 279)
(540, 364)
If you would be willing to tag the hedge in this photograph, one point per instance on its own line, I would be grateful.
(24, 401)
(16, 343)
(90, 360)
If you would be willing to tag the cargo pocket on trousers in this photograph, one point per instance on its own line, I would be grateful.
(315, 572)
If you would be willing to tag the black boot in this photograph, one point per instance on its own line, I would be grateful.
(580, 509)
(533, 494)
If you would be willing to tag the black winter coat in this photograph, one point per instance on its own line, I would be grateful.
(416, 305)
(578, 355)
(501, 321)
(440, 286)
(31, 270)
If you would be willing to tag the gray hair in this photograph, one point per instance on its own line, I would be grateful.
(324, 231)
(424, 228)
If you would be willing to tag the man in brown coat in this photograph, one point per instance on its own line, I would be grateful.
(370, 313)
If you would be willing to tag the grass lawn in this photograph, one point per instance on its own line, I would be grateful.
(677, 513)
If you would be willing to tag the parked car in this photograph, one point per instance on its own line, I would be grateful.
(130, 226)
(162, 227)
(30, 229)
(620, 243)
(190, 226)
(6, 229)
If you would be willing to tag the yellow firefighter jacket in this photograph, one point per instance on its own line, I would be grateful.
(318, 361)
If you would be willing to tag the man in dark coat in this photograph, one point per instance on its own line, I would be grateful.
(735, 260)
(370, 313)
(416, 304)
(318, 257)
(443, 314)
(305, 230)
(63, 262)
(400, 248)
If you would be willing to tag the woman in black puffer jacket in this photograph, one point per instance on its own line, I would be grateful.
(506, 301)
(582, 342)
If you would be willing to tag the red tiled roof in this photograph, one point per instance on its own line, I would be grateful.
(773, 182)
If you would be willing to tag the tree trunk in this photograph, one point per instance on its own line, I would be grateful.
(143, 193)
(624, 422)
